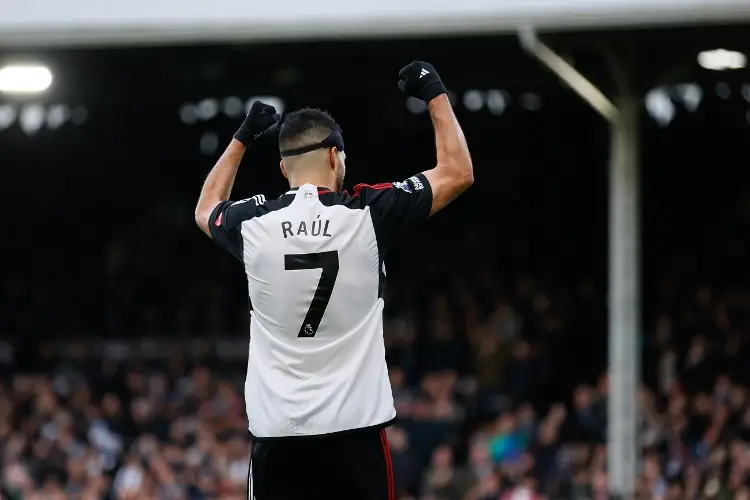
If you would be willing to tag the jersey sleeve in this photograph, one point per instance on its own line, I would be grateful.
(396, 206)
(226, 221)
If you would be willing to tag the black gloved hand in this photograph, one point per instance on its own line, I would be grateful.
(419, 79)
(261, 120)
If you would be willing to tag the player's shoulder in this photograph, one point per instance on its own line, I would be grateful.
(363, 195)
(357, 198)
(259, 205)
(231, 213)
(368, 194)
(371, 189)
(254, 200)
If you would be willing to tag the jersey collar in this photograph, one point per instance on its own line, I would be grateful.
(321, 190)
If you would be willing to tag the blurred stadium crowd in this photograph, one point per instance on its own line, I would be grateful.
(499, 396)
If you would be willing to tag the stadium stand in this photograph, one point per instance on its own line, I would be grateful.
(485, 415)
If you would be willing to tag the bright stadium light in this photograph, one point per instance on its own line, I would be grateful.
(57, 115)
(8, 115)
(497, 101)
(208, 109)
(660, 107)
(690, 94)
(32, 118)
(473, 100)
(232, 106)
(189, 114)
(25, 79)
(722, 59)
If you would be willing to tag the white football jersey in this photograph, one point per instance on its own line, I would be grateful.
(314, 265)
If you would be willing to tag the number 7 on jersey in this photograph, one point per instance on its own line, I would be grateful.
(329, 263)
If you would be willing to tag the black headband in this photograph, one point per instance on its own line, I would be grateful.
(334, 140)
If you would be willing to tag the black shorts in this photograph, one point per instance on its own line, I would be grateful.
(347, 466)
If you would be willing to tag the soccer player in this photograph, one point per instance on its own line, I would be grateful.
(317, 392)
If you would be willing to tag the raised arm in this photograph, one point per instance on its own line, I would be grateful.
(454, 172)
(218, 185)
(261, 119)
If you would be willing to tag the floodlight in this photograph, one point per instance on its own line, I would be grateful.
(722, 59)
(25, 79)
(497, 101)
(473, 100)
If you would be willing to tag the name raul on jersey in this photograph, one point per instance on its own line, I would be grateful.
(318, 227)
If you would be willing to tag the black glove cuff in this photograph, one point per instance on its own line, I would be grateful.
(244, 135)
(432, 91)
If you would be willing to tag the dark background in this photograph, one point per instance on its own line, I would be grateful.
(539, 205)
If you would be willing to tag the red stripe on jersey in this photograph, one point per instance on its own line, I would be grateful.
(388, 465)
(377, 187)
(217, 222)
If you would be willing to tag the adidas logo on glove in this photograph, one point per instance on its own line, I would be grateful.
(420, 80)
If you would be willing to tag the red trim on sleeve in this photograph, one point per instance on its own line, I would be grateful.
(218, 220)
(377, 187)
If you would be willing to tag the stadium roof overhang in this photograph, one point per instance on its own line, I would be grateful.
(654, 57)
(96, 23)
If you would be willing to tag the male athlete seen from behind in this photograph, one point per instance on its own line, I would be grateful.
(317, 392)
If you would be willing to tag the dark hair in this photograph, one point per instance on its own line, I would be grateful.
(304, 127)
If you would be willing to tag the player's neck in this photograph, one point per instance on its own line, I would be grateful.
(315, 180)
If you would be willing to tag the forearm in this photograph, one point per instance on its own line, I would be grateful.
(453, 173)
(450, 143)
(218, 184)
